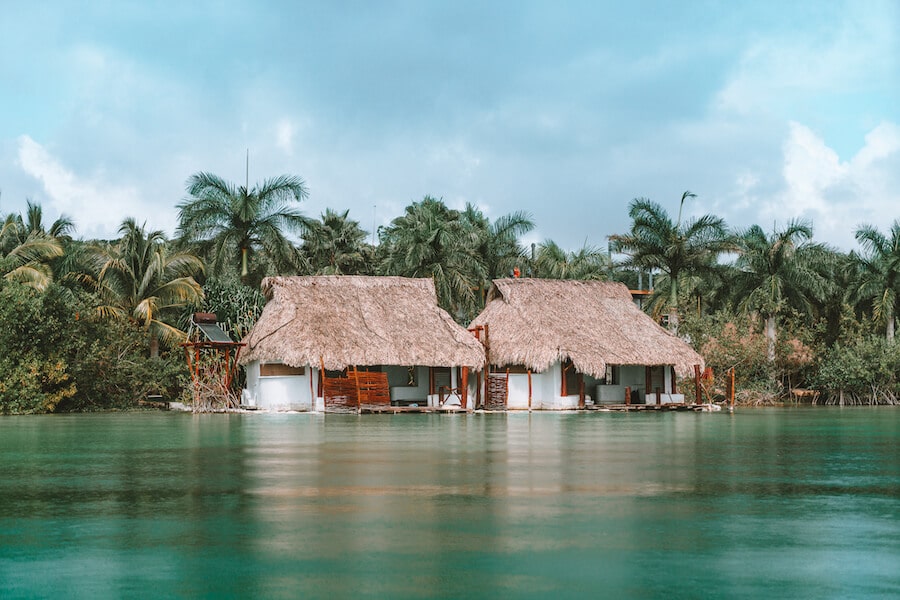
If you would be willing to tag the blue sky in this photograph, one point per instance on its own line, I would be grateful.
(767, 111)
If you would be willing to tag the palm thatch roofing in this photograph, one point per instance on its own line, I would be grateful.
(358, 321)
(535, 322)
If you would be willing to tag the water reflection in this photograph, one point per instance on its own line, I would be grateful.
(758, 503)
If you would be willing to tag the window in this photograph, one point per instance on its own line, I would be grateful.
(279, 370)
(612, 375)
(440, 377)
(511, 369)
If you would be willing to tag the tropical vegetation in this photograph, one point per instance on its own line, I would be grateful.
(240, 226)
(97, 324)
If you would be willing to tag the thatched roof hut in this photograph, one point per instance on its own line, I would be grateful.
(535, 322)
(358, 321)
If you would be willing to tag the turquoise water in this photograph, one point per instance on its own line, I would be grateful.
(774, 503)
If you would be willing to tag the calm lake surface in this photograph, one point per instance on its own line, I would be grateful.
(773, 503)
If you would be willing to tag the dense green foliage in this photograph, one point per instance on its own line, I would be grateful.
(236, 306)
(59, 355)
(96, 325)
(865, 371)
(676, 249)
(140, 279)
(243, 227)
(878, 269)
(336, 245)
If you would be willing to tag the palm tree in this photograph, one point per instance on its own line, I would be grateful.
(676, 249)
(231, 223)
(27, 262)
(28, 250)
(431, 240)
(139, 279)
(497, 243)
(552, 262)
(17, 229)
(336, 245)
(879, 273)
(776, 272)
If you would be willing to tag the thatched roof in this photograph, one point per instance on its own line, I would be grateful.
(358, 321)
(534, 322)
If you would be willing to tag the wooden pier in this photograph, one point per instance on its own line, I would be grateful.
(382, 409)
(393, 410)
(663, 407)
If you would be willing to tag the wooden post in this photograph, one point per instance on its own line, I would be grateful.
(356, 380)
(648, 383)
(627, 395)
(529, 389)
(731, 387)
(580, 390)
(322, 383)
(487, 365)
(674, 379)
(697, 397)
(227, 369)
(477, 389)
(507, 388)
(197, 367)
(563, 389)
(464, 387)
(477, 333)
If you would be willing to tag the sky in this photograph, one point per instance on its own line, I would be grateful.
(767, 111)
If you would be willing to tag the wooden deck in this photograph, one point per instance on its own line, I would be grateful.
(381, 409)
(663, 407)
(393, 410)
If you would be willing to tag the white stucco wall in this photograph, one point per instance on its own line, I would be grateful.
(545, 391)
(283, 392)
(635, 377)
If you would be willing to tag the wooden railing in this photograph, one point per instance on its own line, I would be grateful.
(355, 390)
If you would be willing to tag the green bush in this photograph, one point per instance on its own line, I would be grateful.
(34, 328)
(864, 371)
(237, 306)
(57, 355)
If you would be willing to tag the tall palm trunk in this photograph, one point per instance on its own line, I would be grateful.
(673, 306)
(154, 346)
(770, 338)
(244, 270)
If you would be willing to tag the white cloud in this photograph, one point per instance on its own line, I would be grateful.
(780, 73)
(284, 136)
(839, 195)
(97, 206)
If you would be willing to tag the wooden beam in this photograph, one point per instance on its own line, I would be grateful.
(627, 395)
(731, 386)
(356, 381)
(529, 389)
(697, 397)
(487, 365)
(464, 387)
(648, 382)
(674, 380)
(580, 390)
